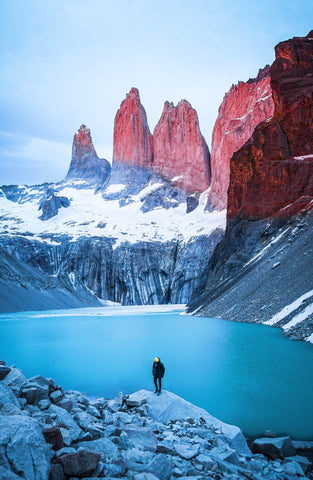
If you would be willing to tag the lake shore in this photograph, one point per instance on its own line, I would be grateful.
(50, 433)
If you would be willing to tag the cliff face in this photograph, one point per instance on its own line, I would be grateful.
(85, 163)
(132, 137)
(179, 149)
(272, 173)
(243, 108)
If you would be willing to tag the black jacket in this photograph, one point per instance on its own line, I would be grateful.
(158, 369)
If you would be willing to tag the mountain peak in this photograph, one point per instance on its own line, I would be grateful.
(85, 163)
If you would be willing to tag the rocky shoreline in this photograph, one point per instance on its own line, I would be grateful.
(47, 433)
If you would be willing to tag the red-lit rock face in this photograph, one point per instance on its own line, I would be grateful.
(272, 174)
(132, 137)
(243, 108)
(179, 150)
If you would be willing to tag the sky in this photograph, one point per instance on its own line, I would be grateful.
(64, 63)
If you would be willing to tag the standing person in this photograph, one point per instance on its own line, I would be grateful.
(158, 371)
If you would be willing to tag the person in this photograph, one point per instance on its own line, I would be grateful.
(158, 371)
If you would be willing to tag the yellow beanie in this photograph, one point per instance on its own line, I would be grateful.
(156, 359)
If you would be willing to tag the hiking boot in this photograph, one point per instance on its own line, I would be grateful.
(159, 392)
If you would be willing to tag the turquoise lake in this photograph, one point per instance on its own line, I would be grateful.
(245, 374)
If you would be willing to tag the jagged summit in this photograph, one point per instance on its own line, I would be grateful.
(85, 163)
(180, 153)
(132, 137)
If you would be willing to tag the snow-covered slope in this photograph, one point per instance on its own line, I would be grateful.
(90, 214)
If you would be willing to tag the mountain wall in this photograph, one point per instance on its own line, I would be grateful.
(261, 269)
(245, 106)
(75, 273)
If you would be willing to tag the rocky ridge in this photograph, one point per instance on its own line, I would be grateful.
(245, 106)
(50, 433)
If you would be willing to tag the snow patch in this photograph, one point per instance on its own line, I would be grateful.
(300, 317)
(115, 188)
(304, 157)
(289, 309)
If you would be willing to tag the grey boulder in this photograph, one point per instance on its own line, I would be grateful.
(274, 448)
(23, 448)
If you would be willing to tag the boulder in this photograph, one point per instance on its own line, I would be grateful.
(279, 447)
(8, 474)
(186, 451)
(56, 396)
(104, 446)
(53, 436)
(161, 466)
(79, 464)
(35, 389)
(14, 380)
(169, 406)
(302, 461)
(145, 476)
(141, 437)
(4, 371)
(64, 419)
(83, 419)
(23, 448)
(7, 396)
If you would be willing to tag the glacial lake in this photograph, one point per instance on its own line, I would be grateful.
(244, 374)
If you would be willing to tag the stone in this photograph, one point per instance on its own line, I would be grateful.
(44, 404)
(8, 474)
(14, 380)
(64, 419)
(145, 476)
(107, 417)
(34, 390)
(56, 396)
(67, 439)
(279, 447)
(207, 462)
(169, 406)
(66, 403)
(4, 371)
(79, 464)
(104, 446)
(57, 472)
(293, 469)
(245, 106)
(161, 466)
(132, 137)
(93, 411)
(270, 434)
(121, 418)
(141, 437)
(304, 463)
(83, 419)
(180, 152)
(223, 452)
(133, 401)
(23, 447)
(53, 436)
(85, 163)
(186, 451)
(7, 396)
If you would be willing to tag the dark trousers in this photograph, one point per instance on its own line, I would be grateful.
(156, 379)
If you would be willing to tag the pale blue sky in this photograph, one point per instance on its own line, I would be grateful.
(68, 62)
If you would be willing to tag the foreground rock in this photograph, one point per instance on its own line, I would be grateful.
(50, 434)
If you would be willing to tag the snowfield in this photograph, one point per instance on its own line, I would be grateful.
(89, 214)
